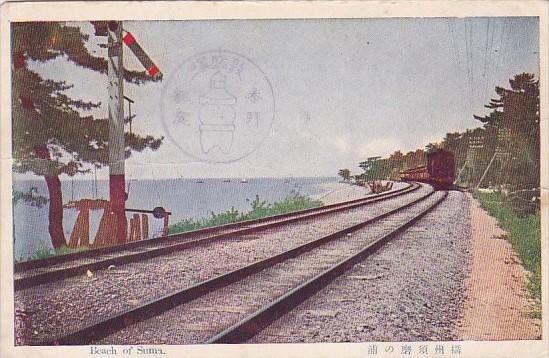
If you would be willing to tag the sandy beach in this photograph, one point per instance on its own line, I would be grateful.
(338, 192)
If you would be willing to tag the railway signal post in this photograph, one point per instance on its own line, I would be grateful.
(115, 70)
(117, 186)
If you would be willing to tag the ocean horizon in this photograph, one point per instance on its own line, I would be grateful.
(185, 198)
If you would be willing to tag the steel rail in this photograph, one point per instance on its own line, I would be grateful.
(45, 275)
(104, 327)
(32, 264)
(257, 321)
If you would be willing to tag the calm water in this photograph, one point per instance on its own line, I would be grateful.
(185, 198)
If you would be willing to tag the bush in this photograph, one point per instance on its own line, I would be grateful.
(524, 202)
(46, 252)
(260, 209)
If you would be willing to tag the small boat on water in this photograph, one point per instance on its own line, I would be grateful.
(244, 180)
(200, 181)
(226, 180)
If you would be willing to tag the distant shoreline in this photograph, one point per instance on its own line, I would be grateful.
(337, 192)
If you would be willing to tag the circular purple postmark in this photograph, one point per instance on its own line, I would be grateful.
(217, 106)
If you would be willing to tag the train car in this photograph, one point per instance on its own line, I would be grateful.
(441, 166)
(439, 171)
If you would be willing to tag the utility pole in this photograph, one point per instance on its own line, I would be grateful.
(501, 154)
(469, 168)
(117, 186)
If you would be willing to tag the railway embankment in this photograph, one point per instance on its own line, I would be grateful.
(499, 305)
(435, 270)
(242, 304)
(410, 290)
(259, 209)
(57, 306)
(330, 193)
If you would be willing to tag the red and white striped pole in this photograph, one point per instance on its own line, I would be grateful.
(117, 186)
(141, 55)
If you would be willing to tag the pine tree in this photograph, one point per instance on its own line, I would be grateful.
(345, 174)
(53, 134)
(517, 110)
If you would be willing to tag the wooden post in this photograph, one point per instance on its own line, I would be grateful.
(166, 221)
(105, 234)
(137, 225)
(131, 233)
(80, 235)
(145, 226)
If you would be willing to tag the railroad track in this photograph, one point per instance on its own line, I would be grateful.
(36, 272)
(287, 279)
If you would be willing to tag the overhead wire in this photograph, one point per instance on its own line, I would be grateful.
(501, 49)
(487, 57)
(490, 59)
(455, 48)
(469, 57)
(506, 28)
(471, 50)
(456, 55)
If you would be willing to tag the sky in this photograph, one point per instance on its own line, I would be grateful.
(313, 96)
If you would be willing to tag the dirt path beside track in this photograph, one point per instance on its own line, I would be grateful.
(497, 303)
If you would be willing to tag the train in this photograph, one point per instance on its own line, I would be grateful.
(439, 171)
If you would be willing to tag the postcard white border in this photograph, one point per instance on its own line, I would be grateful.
(123, 10)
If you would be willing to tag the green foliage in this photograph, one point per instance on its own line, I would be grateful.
(377, 168)
(524, 234)
(46, 118)
(515, 111)
(524, 202)
(55, 134)
(260, 209)
(46, 252)
(30, 197)
(345, 174)
(293, 202)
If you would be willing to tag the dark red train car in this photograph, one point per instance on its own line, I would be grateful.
(439, 171)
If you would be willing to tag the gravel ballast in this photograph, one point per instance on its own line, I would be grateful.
(62, 306)
(174, 239)
(410, 290)
(197, 321)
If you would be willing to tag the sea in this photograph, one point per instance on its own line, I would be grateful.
(184, 198)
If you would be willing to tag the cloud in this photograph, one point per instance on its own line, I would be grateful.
(342, 144)
(380, 146)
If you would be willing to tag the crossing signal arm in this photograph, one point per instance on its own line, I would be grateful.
(101, 29)
(137, 50)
